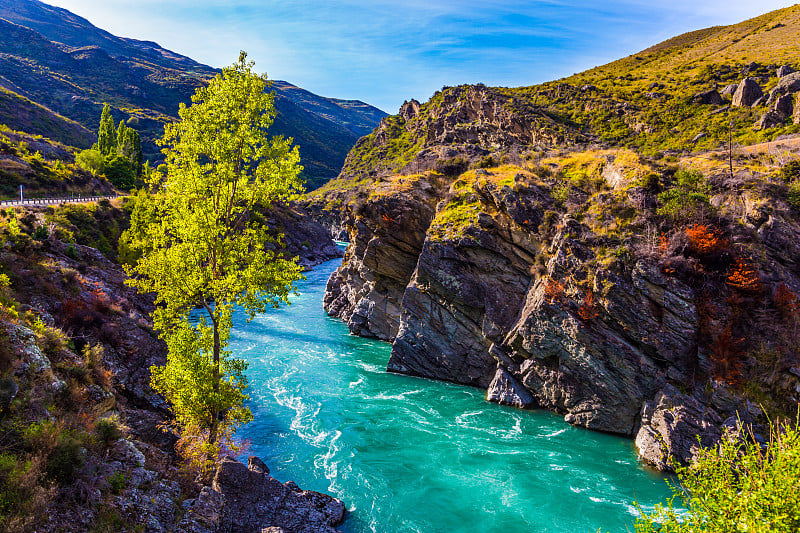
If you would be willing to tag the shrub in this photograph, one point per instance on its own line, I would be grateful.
(65, 459)
(107, 430)
(588, 310)
(90, 160)
(790, 172)
(40, 233)
(736, 486)
(794, 195)
(117, 481)
(706, 240)
(687, 198)
(743, 275)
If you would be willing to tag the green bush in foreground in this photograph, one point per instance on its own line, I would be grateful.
(737, 487)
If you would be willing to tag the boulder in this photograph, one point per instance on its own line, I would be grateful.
(709, 97)
(788, 84)
(784, 70)
(770, 119)
(747, 93)
(784, 105)
(671, 425)
(729, 90)
(505, 389)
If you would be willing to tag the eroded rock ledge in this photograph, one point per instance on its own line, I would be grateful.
(504, 287)
(246, 499)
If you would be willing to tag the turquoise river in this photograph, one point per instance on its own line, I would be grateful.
(408, 454)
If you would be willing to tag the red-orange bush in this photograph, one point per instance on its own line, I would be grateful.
(726, 357)
(553, 290)
(588, 311)
(785, 301)
(706, 240)
(743, 275)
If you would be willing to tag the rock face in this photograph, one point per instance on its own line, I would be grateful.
(748, 92)
(246, 499)
(304, 238)
(501, 288)
(784, 70)
(387, 233)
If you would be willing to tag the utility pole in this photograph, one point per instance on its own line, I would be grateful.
(730, 147)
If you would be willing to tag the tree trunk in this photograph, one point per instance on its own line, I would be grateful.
(214, 428)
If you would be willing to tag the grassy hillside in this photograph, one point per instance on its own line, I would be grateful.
(655, 102)
(36, 119)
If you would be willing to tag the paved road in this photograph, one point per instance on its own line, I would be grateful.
(54, 201)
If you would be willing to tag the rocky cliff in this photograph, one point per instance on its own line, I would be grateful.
(568, 287)
(599, 246)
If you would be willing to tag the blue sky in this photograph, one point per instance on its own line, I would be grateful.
(386, 51)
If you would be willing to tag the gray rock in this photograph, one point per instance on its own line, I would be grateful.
(784, 105)
(127, 453)
(770, 119)
(709, 97)
(788, 84)
(673, 427)
(506, 390)
(784, 70)
(729, 90)
(253, 501)
(747, 93)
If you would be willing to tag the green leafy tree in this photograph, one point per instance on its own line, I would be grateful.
(201, 246)
(736, 487)
(91, 160)
(122, 149)
(687, 198)
(106, 135)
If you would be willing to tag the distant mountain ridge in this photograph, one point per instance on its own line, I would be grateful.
(59, 60)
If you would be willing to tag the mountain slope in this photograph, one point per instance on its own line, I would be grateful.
(61, 61)
(673, 97)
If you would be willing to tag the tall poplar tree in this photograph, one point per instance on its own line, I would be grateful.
(204, 246)
(106, 134)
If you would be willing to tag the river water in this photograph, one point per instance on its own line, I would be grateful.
(408, 454)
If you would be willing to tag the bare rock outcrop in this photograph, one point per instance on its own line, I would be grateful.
(747, 93)
(671, 425)
(784, 70)
(246, 499)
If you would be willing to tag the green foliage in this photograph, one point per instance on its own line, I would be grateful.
(686, 198)
(790, 172)
(117, 482)
(120, 172)
(200, 246)
(794, 195)
(65, 459)
(90, 160)
(736, 487)
(106, 136)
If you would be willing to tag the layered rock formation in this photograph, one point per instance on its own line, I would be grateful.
(511, 289)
